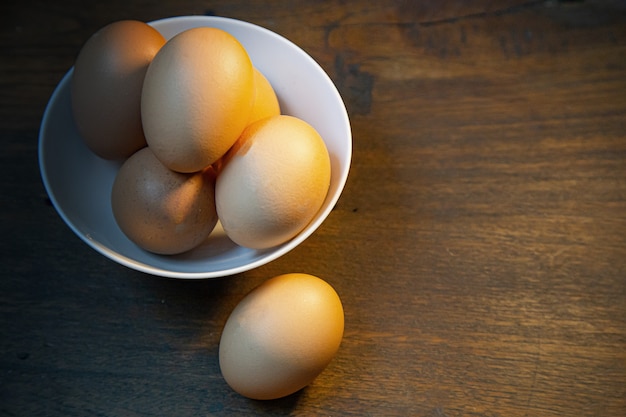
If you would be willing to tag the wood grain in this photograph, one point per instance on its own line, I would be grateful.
(479, 247)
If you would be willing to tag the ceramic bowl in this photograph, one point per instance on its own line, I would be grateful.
(79, 183)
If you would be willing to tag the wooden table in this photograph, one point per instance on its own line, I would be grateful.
(479, 247)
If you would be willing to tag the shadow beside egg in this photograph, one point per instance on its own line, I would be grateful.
(283, 405)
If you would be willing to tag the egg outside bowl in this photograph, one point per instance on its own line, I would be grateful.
(79, 183)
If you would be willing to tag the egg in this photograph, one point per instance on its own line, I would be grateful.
(281, 336)
(272, 182)
(106, 86)
(160, 210)
(265, 100)
(197, 97)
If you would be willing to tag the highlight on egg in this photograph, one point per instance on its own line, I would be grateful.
(265, 101)
(281, 336)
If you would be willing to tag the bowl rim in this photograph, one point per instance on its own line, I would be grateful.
(272, 253)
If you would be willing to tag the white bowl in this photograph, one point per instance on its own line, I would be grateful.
(79, 183)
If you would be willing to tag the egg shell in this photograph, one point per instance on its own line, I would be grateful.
(160, 210)
(281, 336)
(106, 87)
(265, 101)
(197, 97)
(272, 182)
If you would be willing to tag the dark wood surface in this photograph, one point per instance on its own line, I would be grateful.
(479, 247)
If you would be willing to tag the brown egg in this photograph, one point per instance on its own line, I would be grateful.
(281, 336)
(197, 98)
(106, 87)
(265, 100)
(272, 182)
(163, 211)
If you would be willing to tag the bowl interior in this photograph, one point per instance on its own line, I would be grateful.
(79, 183)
